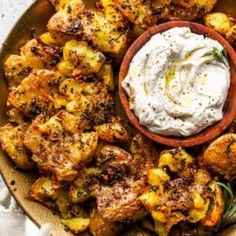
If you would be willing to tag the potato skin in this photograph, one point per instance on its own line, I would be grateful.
(218, 21)
(11, 140)
(220, 156)
(101, 227)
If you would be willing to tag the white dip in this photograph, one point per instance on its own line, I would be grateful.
(178, 82)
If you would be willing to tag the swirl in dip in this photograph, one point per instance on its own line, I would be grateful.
(178, 82)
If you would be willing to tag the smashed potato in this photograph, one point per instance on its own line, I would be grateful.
(76, 225)
(218, 21)
(81, 58)
(44, 189)
(57, 151)
(101, 227)
(191, 192)
(220, 156)
(112, 132)
(92, 26)
(11, 140)
(34, 94)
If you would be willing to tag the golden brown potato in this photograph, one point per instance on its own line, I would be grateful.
(82, 58)
(106, 76)
(34, 94)
(231, 35)
(176, 160)
(139, 12)
(142, 146)
(101, 227)
(112, 132)
(54, 38)
(33, 55)
(57, 151)
(218, 21)
(189, 10)
(68, 5)
(216, 209)
(44, 189)
(76, 225)
(18, 67)
(220, 156)
(90, 25)
(112, 13)
(80, 189)
(11, 140)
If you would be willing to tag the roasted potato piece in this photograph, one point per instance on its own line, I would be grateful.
(18, 67)
(218, 21)
(176, 160)
(220, 156)
(120, 202)
(106, 75)
(90, 25)
(11, 139)
(231, 35)
(80, 188)
(33, 55)
(76, 225)
(44, 189)
(112, 132)
(101, 227)
(189, 10)
(34, 94)
(138, 12)
(68, 5)
(54, 38)
(58, 151)
(120, 185)
(82, 58)
(112, 13)
(142, 146)
(216, 209)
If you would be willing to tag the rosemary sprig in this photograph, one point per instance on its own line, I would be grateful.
(220, 56)
(230, 206)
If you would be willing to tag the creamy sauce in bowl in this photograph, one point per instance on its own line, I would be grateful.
(178, 82)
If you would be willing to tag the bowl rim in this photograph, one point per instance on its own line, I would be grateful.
(209, 132)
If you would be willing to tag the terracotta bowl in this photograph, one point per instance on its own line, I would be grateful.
(230, 106)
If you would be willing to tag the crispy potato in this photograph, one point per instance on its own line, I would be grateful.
(68, 5)
(82, 58)
(11, 139)
(33, 55)
(101, 227)
(112, 13)
(63, 204)
(57, 151)
(176, 160)
(54, 38)
(76, 225)
(106, 75)
(189, 10)
(218, 21)
(207, 5)
(44, 189)
(220, 156)
(34, 94)
(79, 191)
(216, 209)
(18, 67)
(138, 12)
(142, 146)
(231, 35)
(90, 25)
(120, 185)
(112, 132)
